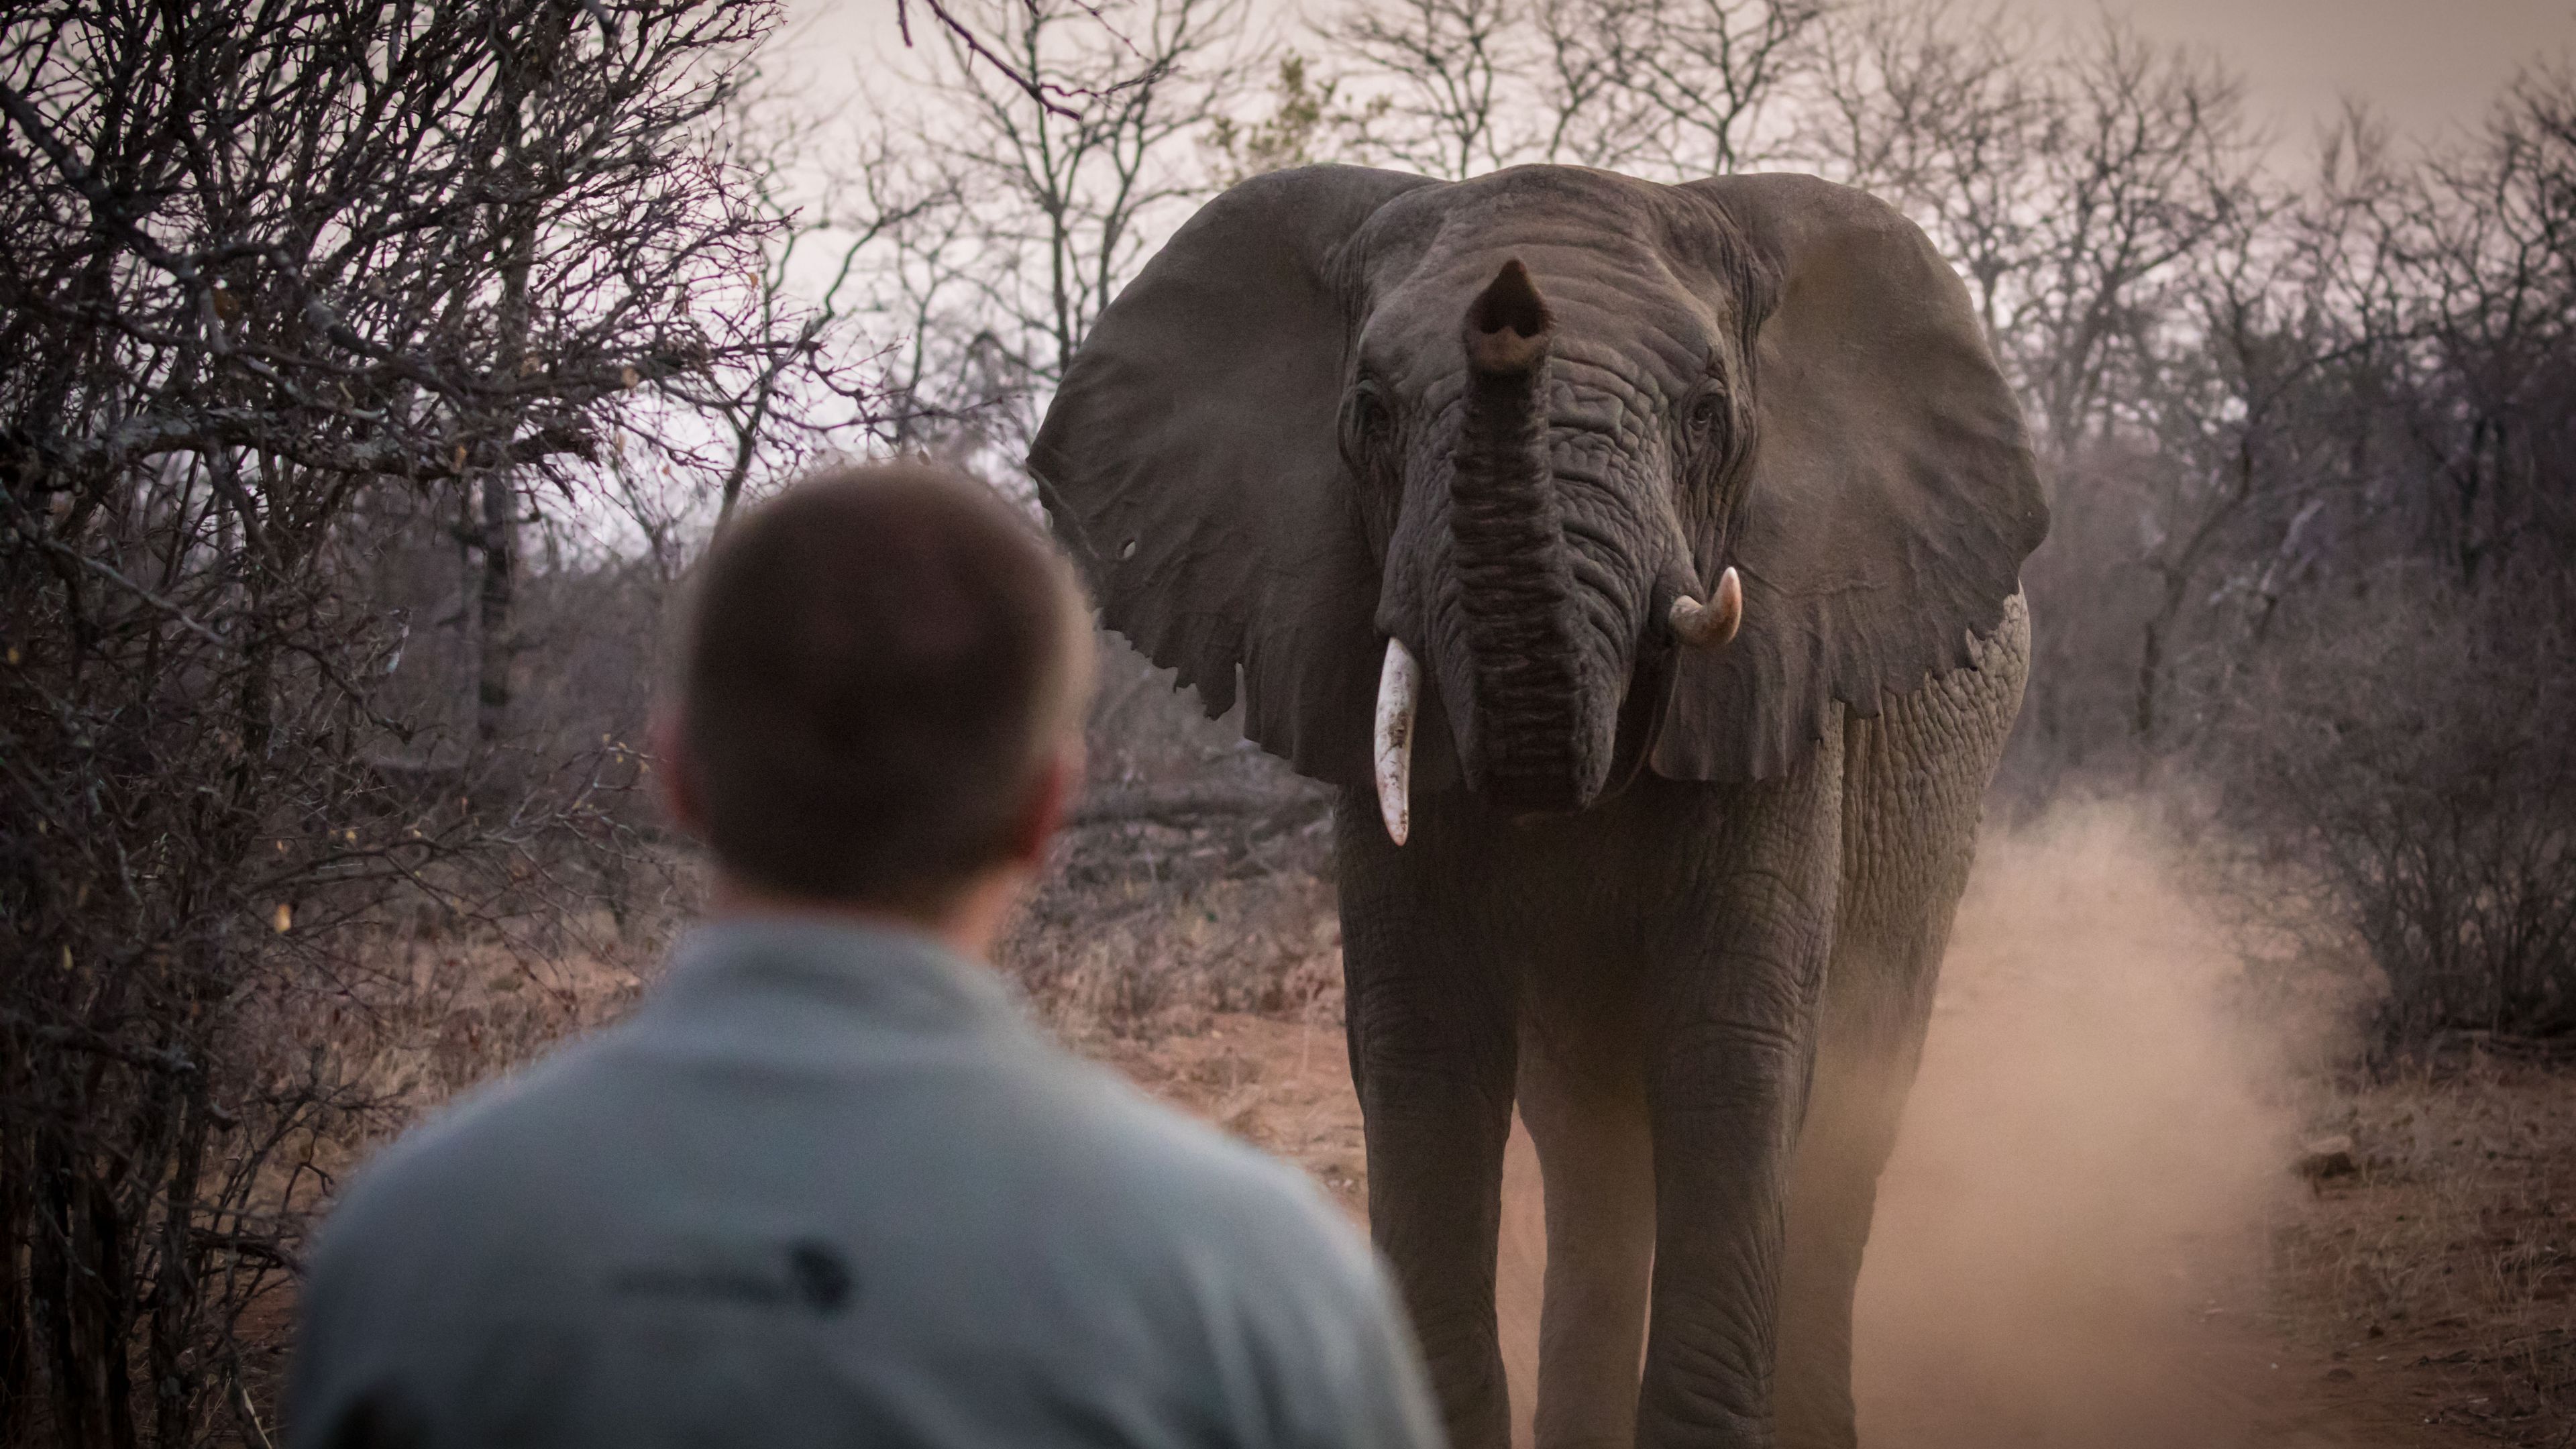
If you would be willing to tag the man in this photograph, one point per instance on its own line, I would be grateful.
(827, 1186)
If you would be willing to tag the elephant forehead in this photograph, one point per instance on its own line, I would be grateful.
(1573, 202)
(1618, 310)
(1626, 268)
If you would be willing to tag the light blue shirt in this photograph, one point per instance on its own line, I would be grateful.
(829, 1186)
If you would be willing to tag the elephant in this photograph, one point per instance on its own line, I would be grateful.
(1640, 566)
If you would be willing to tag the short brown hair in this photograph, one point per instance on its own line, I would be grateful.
(875, 669)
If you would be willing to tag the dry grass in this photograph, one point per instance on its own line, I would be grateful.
(2092, 1235)
(2475, 1355)
(1146, 961)
(1145, 928)
(2424, 1300)
(2444, 1269)
(436, 1006)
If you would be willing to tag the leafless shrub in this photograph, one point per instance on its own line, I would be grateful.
(328, 334)
(2410, 762)
(1194, 878)
(1050, 205)
(1672, 88)
(2445, 1258)
(2333, 522)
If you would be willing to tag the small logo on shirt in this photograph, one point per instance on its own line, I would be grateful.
(806, 1273)
(822, 1276)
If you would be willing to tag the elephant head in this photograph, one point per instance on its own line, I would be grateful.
(1601, 475)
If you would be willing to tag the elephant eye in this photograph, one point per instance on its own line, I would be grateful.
(1708, 412)
(1368, 411)
(1366, 422)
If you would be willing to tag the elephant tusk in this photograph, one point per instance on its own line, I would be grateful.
(1398, 691)
(1702, 627)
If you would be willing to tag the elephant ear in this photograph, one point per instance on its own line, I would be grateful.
(1190, 461)
(1892, 494)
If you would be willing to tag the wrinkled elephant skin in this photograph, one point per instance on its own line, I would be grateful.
(1641, 563)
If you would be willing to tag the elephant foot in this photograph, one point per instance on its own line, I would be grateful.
(1717, 1431)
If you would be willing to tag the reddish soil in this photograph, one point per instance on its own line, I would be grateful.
(2444, 1267)
(2261, 1349)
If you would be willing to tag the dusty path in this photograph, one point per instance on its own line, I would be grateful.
(2123, 1371)
(2071, 1243)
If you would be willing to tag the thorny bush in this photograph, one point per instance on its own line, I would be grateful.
(312, 316)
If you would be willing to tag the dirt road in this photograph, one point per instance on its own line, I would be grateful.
(2071, 1249)
(2190, 1368)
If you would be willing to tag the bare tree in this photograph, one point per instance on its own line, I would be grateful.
(1938, 110)
(2139, 279)
(2481, 252)
(1672, 88)
(1449, 66)
(2412, 778)
(1587, 83)
(1310, 121)
(295, 299)
(888, 241)
(2416, 767)
(961, 30)
(1054, 205)
(871, 194)
(2066, 191)
(1713, 68)
(2156, 164)
(2316, 487)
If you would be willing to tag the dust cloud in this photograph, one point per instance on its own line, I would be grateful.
(2068, 1233)
(2068, 1238)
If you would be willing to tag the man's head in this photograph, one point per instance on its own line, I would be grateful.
(880, 692)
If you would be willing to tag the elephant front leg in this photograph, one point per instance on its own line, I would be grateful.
(1852, 1115)
(1585, 1103)
(1733, 1023)
(1433, 1052)
(1914, 780)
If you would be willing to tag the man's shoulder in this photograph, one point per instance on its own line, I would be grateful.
(1280, 1284)
(1250, 1241)
(1000, 1203)
(555, 1146)
(1207, 1178)
(500, 1139)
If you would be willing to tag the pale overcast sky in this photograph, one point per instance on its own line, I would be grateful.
(2425, 64)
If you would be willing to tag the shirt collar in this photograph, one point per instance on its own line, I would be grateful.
(881, 971)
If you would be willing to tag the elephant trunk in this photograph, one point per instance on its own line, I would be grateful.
(1527, 736)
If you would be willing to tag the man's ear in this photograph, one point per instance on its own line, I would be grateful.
(675, 782)
(1059, 784)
